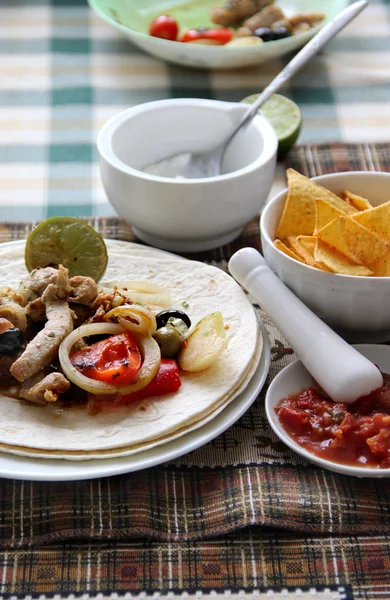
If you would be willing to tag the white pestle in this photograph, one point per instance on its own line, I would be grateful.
(342, 372)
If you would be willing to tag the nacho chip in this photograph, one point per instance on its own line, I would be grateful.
(363, 243)
(333, 234)
(283, 248)
(358, 243)
(304, 249)
(325, 213)
(338, 263)
(299, 212)
(356, 201)
(381, 268)
(376, 219)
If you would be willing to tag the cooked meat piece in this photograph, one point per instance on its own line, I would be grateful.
(42, 350)
(310, 18)
(38, 280)
(235, 11)
(13, 312)
(36, 310)
(41, 389)
(84, 290)
(282, 23)
(264, 18)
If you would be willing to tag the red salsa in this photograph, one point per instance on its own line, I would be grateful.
(355, 434)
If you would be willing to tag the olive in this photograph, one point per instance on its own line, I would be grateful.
(163, 317)
(280, 33)
(11, 342)
(169, 341)
(264, 33)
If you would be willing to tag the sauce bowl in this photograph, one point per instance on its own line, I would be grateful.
(186, 215)
(293, 379)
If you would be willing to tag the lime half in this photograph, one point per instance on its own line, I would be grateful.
(285, 117)
(69, 242)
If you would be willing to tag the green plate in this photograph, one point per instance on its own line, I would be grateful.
(133, 17)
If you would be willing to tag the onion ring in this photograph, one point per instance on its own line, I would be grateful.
(136, 319)
(148, 347)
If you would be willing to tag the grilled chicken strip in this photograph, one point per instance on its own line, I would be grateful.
(41, 389)
(41, 351)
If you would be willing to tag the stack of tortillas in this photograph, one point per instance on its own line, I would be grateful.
(75, 434)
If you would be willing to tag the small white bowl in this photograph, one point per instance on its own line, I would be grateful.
(186, 214)
(293, 379)
(356, 307)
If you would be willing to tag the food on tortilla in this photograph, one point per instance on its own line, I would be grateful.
(81, 415)
(344, 235)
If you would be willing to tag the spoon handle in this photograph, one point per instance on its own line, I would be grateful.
(342, 372)
(311, 48)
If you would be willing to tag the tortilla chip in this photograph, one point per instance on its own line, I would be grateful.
(356, 201)
(325, 213)
(283, 248)
(304, 249)
(363, 243)
(376, 219)
(381, 268)
(333, 234)
(338, 263)
(299, 214)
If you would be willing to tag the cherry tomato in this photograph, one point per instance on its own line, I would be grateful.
(220, 36)
(164, 27)
(114, 360)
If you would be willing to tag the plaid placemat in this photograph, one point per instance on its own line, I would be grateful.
(311, 532)
(64, 72)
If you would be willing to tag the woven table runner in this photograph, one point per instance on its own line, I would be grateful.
(315, 529)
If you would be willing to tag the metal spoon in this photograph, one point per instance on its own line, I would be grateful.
(208, 164)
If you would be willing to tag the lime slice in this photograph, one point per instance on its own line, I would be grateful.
(69, 242)
(285, 117)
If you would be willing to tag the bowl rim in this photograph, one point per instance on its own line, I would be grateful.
(271, 205)
(126, 28)
(106, 133)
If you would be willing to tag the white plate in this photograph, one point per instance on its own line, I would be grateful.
(132, 18)
(37, 469)
(293, 379)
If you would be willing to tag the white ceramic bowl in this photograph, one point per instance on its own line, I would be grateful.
(356, 307)
(186, 214)
(132, 18)
(293, 379)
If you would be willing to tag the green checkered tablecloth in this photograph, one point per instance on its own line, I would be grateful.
(64, 72)
(242, 517)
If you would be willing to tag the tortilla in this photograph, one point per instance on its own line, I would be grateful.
(46, 431)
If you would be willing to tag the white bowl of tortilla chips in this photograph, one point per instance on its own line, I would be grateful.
(331, 246)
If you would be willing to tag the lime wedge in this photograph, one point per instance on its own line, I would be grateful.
(69, 242)
(285, 117)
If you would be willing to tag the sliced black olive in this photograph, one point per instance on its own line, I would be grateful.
(11, 342)
(264, 33)
(169, 341)
(163, 317)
